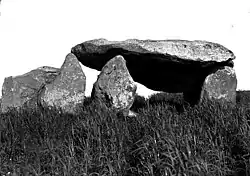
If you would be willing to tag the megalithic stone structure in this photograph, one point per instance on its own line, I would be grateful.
(171, 66)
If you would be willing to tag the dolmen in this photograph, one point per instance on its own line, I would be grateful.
(198, 69)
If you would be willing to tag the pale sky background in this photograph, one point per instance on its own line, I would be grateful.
(36, 33)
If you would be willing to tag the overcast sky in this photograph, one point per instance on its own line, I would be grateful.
(36, 33)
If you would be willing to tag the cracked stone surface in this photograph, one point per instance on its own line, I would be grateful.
(16, 91)
(173, 66)
(114, 86)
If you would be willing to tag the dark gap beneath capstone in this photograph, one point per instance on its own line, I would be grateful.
(155, 71)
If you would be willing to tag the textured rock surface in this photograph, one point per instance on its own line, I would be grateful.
(167, 65)
(18, 90)
(221, 85)
(114, 86)
(68, 89)
(183, 49)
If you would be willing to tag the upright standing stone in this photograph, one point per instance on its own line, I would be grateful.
(68, 89)
(221, 85)
(114, 86)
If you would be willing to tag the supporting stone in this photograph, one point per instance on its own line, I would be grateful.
(115, 87)
(68, 89)
(221, 85)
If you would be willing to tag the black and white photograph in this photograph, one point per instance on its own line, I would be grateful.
(124, 88)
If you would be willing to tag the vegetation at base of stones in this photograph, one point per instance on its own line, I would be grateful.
(167, 137)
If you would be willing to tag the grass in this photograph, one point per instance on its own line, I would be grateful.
(166, 138)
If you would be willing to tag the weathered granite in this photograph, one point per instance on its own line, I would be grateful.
(68, 89)
(20, 89)
(172, 66)
(115, 87)
(221, 85)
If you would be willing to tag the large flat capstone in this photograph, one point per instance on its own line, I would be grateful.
(162, 65)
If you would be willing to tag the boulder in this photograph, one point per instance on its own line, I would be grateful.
(68, 88)
(221, 85)
(16, 91)
(174, 66)
(115, 87)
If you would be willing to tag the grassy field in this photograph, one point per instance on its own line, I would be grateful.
(166, 138)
